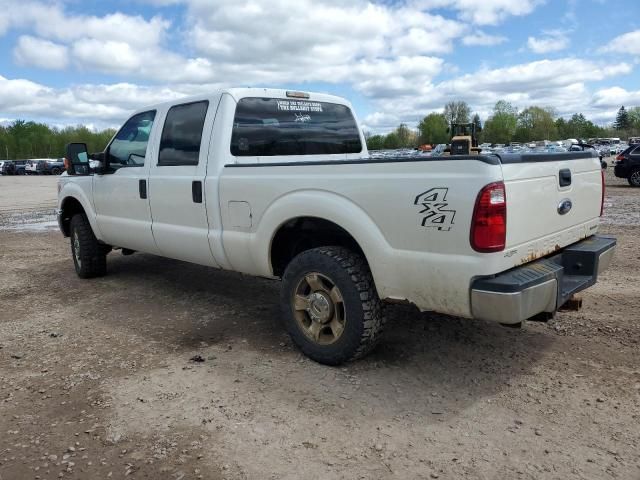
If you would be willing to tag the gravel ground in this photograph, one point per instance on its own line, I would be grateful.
(164, 369)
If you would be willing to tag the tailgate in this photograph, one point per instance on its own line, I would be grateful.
(553, 200)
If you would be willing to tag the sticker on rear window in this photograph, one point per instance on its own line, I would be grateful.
(299, 106)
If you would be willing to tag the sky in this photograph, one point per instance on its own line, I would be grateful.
(93, 62)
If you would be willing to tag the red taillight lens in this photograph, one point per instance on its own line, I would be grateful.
(489, 222)
(620, 157)
(602, 198)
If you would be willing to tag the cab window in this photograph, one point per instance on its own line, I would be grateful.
(182, 134)
(273, 126)
(129, 147)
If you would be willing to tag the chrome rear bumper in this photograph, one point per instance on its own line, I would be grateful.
(543, 285)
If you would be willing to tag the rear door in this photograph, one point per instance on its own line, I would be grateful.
(176, 183)
(553, 200)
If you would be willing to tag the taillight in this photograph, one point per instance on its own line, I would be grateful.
(620, 158)
(489, 222)
(602, 198)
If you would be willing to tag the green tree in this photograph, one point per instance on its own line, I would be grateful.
(500, 127)
(391, 141)
(622, 120)
(23, 140)
(375, 142)
(478, 125)
(634, 119)
(406, 137)
(535, 123)
(457, 112)
(433, 129)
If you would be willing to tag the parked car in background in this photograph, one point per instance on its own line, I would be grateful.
(634, 140)
(6, 167)
(44, 166)
(628, 165)
(19, 167)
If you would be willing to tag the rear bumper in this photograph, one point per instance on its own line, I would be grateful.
(543, 285)
(620, 171)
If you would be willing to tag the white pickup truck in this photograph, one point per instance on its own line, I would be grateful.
(279, 184)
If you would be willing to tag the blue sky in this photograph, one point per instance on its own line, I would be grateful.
(93, 62)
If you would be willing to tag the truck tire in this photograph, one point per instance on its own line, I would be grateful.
(56, 171)
(89, 256)
(330, 305)
(634, 177)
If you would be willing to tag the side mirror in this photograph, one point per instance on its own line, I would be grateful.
(77, 159)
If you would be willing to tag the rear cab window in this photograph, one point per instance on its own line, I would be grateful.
(268, 127)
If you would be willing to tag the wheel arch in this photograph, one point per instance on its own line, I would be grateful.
(348, 222)
(75, 200)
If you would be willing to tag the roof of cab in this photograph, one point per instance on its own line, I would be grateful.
(239, 93)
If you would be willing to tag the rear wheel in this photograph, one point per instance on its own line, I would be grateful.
(56, 171)
(89, 256)
(634, 177)
(331, 307)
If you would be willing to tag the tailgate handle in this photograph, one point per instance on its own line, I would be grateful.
(196, 191)
(565, 177)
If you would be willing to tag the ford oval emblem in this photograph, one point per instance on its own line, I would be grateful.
(564, 206)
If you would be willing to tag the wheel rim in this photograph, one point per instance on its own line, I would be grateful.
(76, 249)
(635, 177)
(318, 308)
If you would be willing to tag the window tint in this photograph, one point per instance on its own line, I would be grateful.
(129, 146)
(182, 134)
(271, 126)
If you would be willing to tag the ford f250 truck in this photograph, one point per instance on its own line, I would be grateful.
(279, 184)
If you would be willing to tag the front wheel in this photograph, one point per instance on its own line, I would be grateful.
(634, 177)
(89, 256)
(330, 305)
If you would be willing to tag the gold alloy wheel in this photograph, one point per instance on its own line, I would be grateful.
(318, 307)
(76, 248)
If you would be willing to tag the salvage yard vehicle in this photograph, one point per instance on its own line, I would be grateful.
(628, 165)
(46, 166)
(279, 184)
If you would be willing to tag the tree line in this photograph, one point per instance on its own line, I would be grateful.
(505, 125)
(23, 140)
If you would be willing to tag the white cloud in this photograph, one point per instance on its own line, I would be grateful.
(550, 83)
(481, 38)
(615, 97)
(627, 43)
(392, 54)
(40, 53)
(486, 12)
(551, 41)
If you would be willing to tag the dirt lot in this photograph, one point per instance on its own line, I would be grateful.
(96, 379)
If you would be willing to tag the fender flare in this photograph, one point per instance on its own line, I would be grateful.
(327, 206)
(73, 191)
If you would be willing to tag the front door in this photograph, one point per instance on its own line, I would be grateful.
(120, 200)
(176, 183)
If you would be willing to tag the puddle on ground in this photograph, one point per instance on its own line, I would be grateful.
(32, 220)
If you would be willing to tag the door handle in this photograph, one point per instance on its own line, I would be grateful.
(142, 188)
(196, 191)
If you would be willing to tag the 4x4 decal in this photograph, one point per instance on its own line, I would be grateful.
(435, 212)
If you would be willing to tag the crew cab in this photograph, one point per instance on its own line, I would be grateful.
(279, 184)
